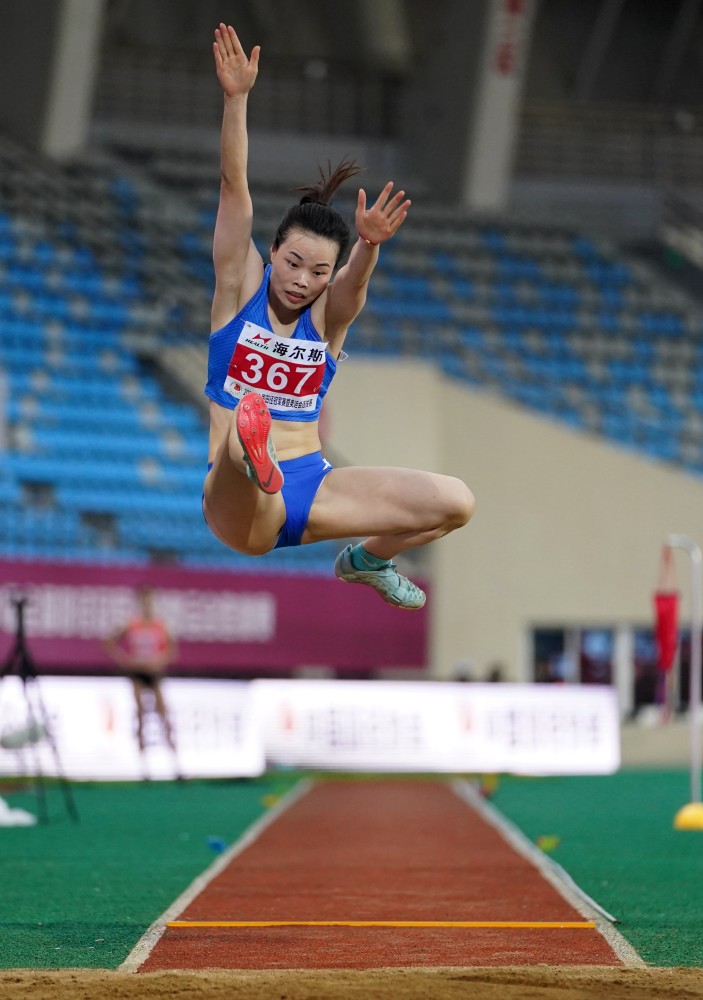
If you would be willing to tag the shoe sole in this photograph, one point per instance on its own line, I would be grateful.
(253, 422)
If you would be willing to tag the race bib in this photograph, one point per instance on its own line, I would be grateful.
(286, 373)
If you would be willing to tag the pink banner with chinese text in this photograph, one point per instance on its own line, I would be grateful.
(226, 624)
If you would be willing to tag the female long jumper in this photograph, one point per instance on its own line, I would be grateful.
(277, 335)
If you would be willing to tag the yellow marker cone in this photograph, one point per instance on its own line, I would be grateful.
(689, 817)
(548, 843)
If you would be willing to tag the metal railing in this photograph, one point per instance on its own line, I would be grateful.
(643, 144)
(300, 96)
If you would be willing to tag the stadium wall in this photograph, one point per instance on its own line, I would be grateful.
(567, 531)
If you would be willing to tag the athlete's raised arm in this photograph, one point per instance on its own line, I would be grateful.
(234, 253)
(347, 293)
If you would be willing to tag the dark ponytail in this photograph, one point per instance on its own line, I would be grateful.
(323, 192)
(313, 213)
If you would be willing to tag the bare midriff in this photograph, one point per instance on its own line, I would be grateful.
(292, 438)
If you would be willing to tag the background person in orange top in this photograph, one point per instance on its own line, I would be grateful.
(143, 647)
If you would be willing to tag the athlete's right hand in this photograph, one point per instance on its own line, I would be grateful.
(235, 72)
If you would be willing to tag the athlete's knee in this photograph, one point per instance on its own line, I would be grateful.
(460, 504)
(245, 546)
(249, 548)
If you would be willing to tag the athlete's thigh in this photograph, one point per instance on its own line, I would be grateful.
(238, 513)
(378, 501)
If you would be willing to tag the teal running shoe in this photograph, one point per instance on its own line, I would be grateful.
(394, 588)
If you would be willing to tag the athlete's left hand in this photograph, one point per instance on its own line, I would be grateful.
(384, 218)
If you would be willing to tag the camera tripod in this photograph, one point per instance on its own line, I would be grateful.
(20, 662)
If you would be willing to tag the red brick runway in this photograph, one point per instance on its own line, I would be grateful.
(382, 851)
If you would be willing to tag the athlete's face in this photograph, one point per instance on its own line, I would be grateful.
(301, 268)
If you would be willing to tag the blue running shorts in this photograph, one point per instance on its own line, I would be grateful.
(302, 478)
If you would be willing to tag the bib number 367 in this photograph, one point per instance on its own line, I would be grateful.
(279, 376)
(287, 372)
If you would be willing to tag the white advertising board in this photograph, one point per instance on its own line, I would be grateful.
(235, 729)
(93, 724)
(444, 727)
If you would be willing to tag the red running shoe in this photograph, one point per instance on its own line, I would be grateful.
(254, 432)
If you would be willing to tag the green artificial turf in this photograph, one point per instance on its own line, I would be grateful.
(81, 895)
(617, 841)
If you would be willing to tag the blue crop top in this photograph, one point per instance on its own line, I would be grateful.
(292, 378)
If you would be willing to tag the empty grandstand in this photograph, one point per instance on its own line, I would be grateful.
(106, 284)
(540, 300)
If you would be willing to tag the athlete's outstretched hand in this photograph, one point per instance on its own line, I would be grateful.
(384, 218)
(235, 71)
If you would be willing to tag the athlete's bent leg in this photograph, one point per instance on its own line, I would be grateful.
(237, 510)
(396, 509)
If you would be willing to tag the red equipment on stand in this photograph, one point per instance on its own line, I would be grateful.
(666, 629)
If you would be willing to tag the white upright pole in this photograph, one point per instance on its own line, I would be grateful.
(691, 816)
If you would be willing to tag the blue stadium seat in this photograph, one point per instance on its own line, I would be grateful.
(554, 321)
